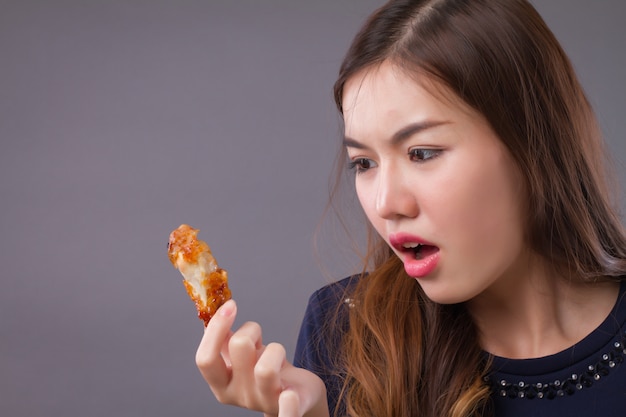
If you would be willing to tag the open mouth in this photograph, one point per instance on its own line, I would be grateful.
(420, 258)
(420, 251)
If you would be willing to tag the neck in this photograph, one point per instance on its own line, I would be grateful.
(539, 314)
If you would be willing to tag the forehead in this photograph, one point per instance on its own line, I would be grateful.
(386, 96)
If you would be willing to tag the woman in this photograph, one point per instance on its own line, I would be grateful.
(494, 283)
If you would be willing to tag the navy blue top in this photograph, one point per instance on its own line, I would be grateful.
(587, 379)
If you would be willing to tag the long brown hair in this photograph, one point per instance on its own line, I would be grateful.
(403, 355)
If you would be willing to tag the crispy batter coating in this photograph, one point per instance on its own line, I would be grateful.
(205, 282)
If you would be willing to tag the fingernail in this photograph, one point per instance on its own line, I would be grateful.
(227, 309)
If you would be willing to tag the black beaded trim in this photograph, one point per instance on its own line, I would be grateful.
(569, 386)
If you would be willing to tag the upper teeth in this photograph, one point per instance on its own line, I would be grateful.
(410, 245)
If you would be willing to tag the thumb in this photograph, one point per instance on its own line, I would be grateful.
(289, 404)
(304, 394)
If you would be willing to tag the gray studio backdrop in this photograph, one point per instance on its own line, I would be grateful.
(121, 119)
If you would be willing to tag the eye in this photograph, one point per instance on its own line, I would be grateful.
(361, 165)
(422, 155)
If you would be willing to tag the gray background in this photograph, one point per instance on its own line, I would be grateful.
(119, 120)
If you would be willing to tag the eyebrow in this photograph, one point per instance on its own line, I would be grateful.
(400, 136)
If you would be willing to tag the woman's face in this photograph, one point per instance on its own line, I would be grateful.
(435, 182)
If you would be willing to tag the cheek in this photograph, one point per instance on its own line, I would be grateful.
(366, 195)
(366, 199)
(483, 206)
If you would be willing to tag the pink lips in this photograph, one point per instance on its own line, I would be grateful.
(419, 261)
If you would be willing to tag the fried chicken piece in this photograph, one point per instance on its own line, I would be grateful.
(205, 282)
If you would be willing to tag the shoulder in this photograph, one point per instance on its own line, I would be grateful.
(324, 320)
(331, 295)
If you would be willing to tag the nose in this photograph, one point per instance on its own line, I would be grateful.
(396, 195)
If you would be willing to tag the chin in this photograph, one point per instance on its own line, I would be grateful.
(441, 295)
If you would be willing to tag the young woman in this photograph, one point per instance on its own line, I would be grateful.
(495, 284)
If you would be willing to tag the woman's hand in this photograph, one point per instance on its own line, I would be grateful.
(242, 371)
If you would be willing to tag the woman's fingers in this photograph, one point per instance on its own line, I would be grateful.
(268, 368)
(209, 354)
(289, 404)
(243, 348)
(309, 392)
(241, 371)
